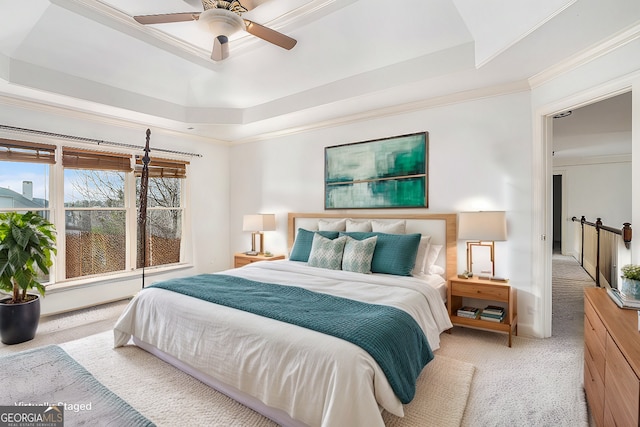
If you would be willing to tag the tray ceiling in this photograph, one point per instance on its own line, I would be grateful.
(352, 56)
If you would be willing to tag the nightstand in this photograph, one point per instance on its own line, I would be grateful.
(488, 290)
(240, 259)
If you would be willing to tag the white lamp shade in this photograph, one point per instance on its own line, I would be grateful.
(482, 226)
(259, 222)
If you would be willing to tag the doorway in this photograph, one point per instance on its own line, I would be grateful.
(584, 146)
(557, 214)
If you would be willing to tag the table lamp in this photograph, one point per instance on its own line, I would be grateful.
(257, 224)
(482, 229)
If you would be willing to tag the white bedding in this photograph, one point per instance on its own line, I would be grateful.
(317, 379)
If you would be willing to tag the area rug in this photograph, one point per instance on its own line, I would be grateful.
(49, 376)
(170, 397)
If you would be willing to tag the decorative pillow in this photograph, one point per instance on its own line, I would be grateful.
(327, 253)
(432, 256)
(339, 225)
(421, 256)
(358, 254)
(394, 253)
(399, 227)
(304, 239)
(358, 225)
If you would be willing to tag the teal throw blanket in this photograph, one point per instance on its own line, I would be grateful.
(391, 336)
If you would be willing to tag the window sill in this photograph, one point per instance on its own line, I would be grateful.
(119, 276)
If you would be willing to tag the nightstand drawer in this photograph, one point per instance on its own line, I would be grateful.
(240, 259)
(239, 262)
(481, 291)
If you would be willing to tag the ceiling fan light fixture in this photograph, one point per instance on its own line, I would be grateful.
(221, 22)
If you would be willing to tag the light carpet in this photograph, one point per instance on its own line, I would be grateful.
(48, 376)
(537, 382)
(169, 397)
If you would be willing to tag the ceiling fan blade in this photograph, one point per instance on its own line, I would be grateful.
(272, 36)
(167, 18)
(220, 48)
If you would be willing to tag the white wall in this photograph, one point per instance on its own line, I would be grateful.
(208, 195)
(493, 153)
(596, 188)
(478, 160)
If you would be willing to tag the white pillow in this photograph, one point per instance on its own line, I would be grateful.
(338, 225)
(421, 256)
(398, 227)
(436, 269)
(432, 256)
(364, 226)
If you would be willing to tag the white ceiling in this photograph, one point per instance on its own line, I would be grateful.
(352, 56)
(599, 129)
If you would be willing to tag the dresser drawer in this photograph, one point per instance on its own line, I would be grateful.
(480, 291)
(623, 387)
(593, 348)
(594, 389)
(594, 324)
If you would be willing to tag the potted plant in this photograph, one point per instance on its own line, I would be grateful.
(27, 244)
(630, 284)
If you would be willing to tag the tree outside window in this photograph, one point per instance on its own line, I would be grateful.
(164, 211)
(95, 222)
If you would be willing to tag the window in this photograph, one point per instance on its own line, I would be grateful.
(164, 211)
(99, 190)
(24, 178)
(95, 211)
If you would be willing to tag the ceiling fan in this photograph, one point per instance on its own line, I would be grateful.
(222, 19)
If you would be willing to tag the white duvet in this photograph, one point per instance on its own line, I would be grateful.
(317, 379)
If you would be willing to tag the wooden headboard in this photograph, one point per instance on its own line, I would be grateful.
(442, 228)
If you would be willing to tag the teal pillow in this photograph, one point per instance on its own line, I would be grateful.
(302, 245)
(358, 254)
(394, 253)
(327, 253)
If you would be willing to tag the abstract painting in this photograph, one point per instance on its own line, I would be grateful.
(382, 173)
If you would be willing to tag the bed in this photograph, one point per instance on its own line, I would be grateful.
(306, 375)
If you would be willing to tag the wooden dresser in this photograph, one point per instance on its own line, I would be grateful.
(611, 360)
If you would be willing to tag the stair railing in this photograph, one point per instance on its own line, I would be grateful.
(599, 249)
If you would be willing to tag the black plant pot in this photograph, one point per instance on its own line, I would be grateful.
(18, 322)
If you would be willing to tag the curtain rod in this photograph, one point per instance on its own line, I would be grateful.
(96, 141)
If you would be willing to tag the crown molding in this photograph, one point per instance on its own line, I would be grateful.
(614, 42)
(440, 101)
(100, 118)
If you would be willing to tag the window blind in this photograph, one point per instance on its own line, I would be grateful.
(22, 151)
(163, 168)
(75, 158)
